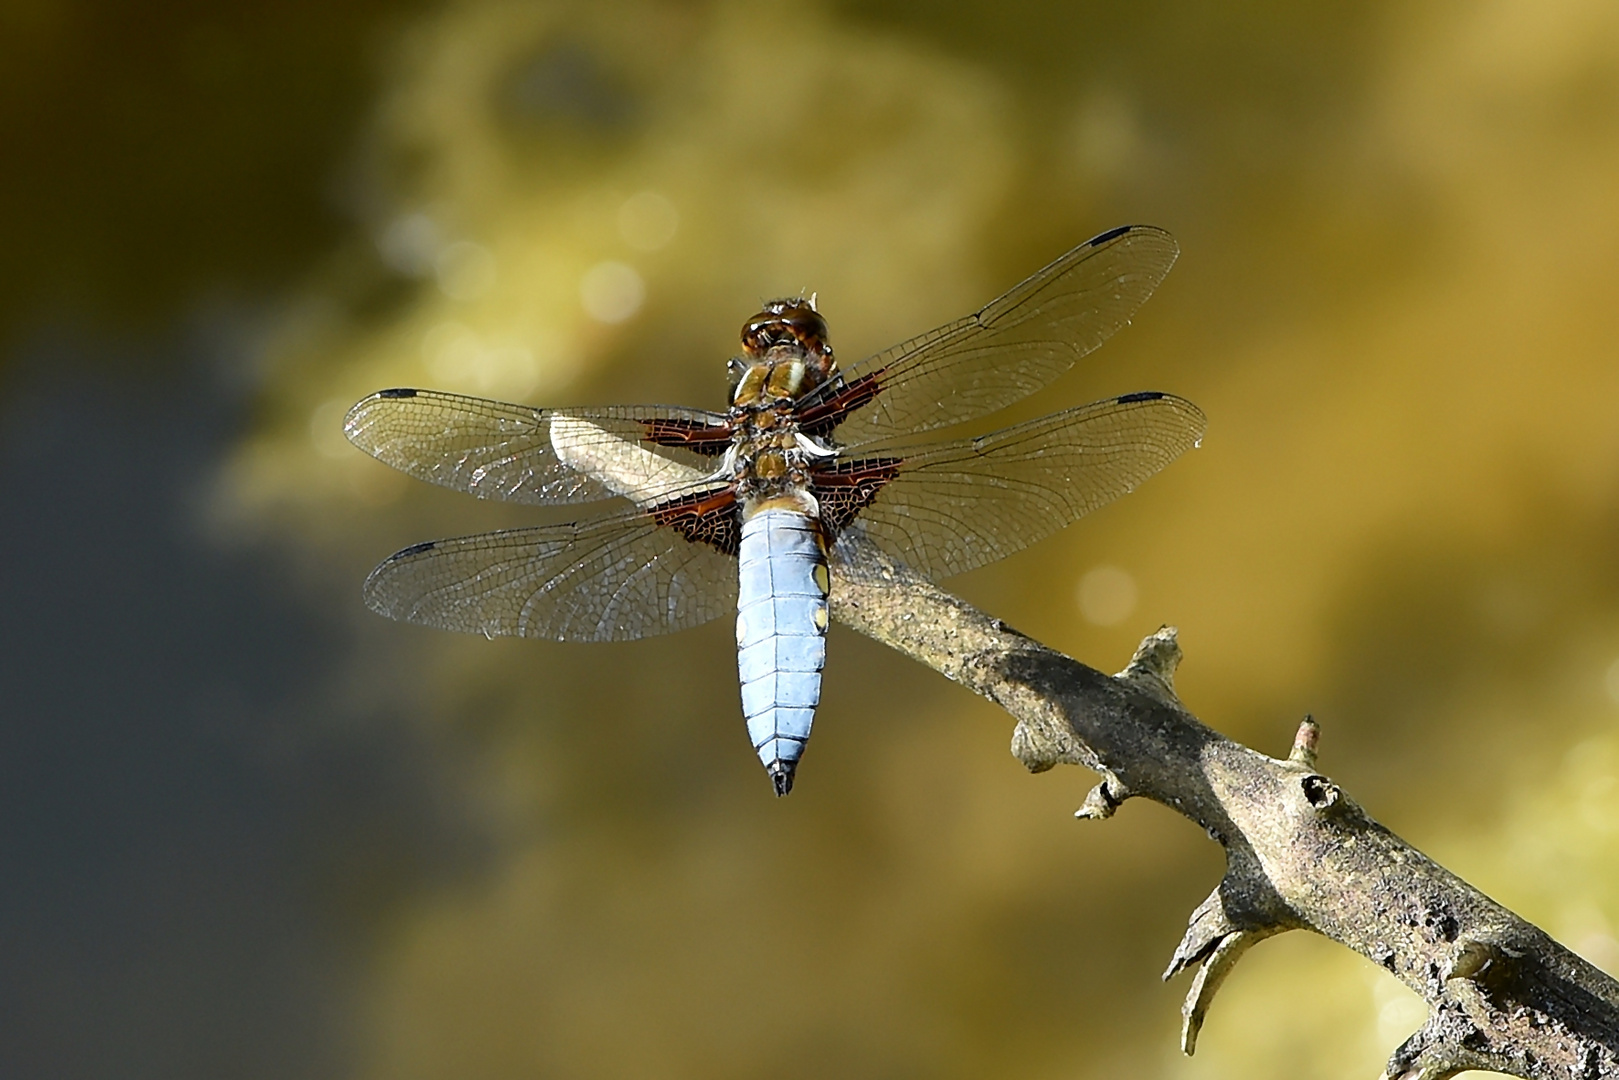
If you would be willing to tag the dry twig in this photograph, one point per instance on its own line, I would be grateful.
(1300, 853)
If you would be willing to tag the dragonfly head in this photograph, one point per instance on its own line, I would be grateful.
(790, 322)
(785, 350)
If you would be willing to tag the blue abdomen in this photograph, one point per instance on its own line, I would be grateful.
(781, 621)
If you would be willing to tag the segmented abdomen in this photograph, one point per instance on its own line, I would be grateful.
(781, 623)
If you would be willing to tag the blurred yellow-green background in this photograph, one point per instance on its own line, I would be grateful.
(250, 830)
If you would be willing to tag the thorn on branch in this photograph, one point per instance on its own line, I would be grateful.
(1227, 951)
(1204, 930)
(1304, 743)
(1103, 799)
(1153, 665)
(1212, 937)
(1424, 1056)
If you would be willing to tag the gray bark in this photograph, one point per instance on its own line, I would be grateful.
(1300, 853)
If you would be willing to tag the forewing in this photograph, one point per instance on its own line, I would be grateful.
(1013, 347)
(516, 453)
(615, 578)
(949, 507)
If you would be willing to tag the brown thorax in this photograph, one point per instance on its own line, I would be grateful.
(785, 355)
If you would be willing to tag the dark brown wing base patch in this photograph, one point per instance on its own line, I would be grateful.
(704, 518)
(708, 439)
(818, 420)
(848, 488)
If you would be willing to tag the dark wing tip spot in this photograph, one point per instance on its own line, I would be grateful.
(1110, 234)
(414, 549)
(397, 392)
(1141, 395)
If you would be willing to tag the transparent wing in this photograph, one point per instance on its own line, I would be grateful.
(518, 453)
(1008, 350)
(949, 507)
(614, 578)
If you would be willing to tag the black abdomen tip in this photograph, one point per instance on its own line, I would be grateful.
(781, 775)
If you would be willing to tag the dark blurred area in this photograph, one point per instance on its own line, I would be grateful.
(167, 152)
(199, 830)
(252, 830)
(199, 827)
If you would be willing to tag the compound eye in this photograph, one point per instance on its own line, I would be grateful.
(809, 328)
(785, 322)
(759, 334)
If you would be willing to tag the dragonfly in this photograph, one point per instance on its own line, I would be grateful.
(748, 510)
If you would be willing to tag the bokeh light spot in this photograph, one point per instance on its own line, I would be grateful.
(326, 428)
(449, 350)
(1107, 595)
(410, 245)
(611, 292)
(457, 358)
(1599, 803)
(1106, 135)
(647, 221)
(510, 371)
(465, 270)
(1401, 1012)
(1612, 681)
